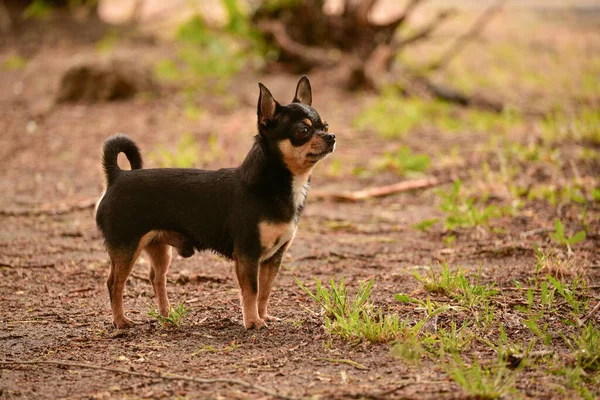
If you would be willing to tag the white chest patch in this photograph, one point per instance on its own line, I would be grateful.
(273, 236)
(300, 186)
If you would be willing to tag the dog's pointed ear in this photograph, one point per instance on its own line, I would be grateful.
(303, 92)
(267, 106)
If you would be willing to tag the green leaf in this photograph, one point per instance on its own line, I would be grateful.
(402, 298)
(425, 224)
(576, 238)
(559, 228)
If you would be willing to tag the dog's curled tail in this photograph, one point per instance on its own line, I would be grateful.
(112, 147)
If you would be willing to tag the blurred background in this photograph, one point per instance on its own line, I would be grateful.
(504, 94)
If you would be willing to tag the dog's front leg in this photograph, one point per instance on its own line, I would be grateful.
(246, 271)
(266, 275)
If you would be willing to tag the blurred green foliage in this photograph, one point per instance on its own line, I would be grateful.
(37, 9)
(188, 153)
(208, 57)
(405, 163)
(582, 126)
(393, 116)
(14, 63)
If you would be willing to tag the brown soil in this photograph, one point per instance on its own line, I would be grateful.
(53, 299)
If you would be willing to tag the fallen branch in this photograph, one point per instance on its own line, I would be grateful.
(344, 361)
(61, 209)
(7, 265)
(421, 84)
(163, 376)
(311, 55)
(424, 32)
(378, 191)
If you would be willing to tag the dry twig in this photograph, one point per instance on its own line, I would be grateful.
(589, 315)
(379, 191)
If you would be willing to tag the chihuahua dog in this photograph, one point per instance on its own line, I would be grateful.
(248, 214)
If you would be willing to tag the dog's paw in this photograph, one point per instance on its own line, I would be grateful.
(255, 323)
(123, 323)
(270, 318)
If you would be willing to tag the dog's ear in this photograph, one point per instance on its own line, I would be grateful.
(303, 92)
(267, 106)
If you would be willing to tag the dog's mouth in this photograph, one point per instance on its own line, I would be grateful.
(320, 155)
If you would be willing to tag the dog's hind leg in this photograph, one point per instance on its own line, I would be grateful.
(121, 264)
(160, 255)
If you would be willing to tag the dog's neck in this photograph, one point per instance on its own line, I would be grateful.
(264, 171)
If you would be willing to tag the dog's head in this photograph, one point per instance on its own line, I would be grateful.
(295, 131)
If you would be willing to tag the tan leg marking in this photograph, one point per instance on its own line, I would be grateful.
(121, 264)
(247, 275)
(120, 268)
(160, 255)
(266, 276)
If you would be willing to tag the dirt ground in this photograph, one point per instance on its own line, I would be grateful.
(54, 303)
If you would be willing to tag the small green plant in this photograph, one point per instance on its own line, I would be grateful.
(550, 263)
(577, 378)
(425, 225)
(596, 195)
(463, 212)
(586, 346)
(483, 382)
(583, 126)
(559, 237)
(14, 63)
(353, 318)
(537, 330)
(456, 285)
(515, 353)
(451, 340)
(405, 163)
(175, 317)
(574, 294)
(409, 349)
(475, 295)
(443, 282)
(553, 194)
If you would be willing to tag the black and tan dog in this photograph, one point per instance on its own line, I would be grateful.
(248, 214)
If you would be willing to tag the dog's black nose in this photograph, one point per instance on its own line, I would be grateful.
(330, 137)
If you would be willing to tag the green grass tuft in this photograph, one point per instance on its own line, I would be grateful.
(175, 317)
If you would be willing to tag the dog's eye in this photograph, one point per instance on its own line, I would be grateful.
(303, 132)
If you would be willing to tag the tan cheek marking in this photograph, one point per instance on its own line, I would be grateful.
(294, 157)
(308, 122)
